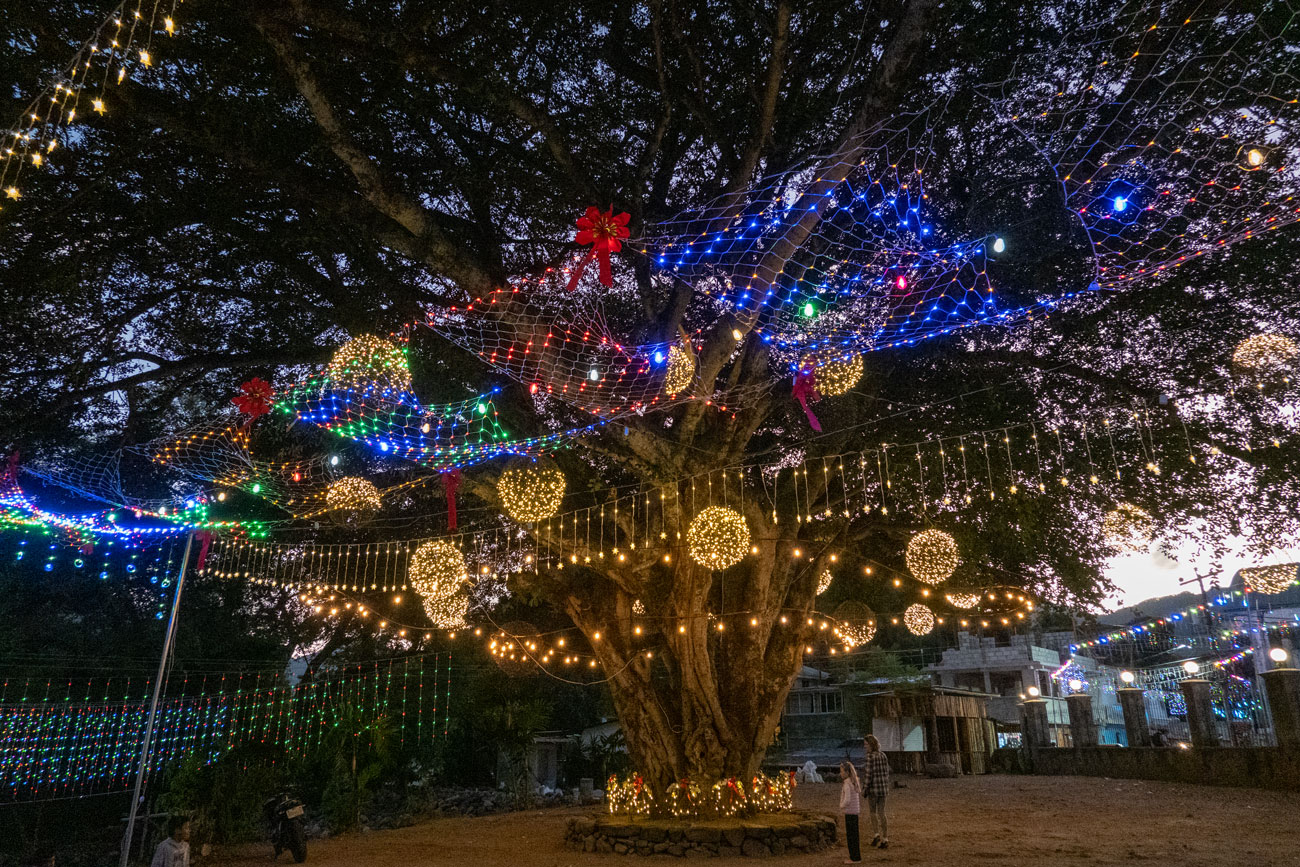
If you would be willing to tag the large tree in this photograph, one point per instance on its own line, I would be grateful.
(290, 174)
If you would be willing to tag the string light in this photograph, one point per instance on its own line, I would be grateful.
(856, 623)
(438, 573)
(1266, 355)
(352, 500)
(918, 619)
(932, 556)
(367, 359)
(834, 376)
(717, 538)
(515, 647)
(1269, 579)
(1127, 528)
(824, 581)
(680, 371)
(531, 491)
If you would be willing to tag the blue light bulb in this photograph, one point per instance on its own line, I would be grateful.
(1121, 204)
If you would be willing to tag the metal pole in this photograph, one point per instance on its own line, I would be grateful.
(153, 702)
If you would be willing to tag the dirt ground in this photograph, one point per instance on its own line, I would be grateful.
(1011, 820)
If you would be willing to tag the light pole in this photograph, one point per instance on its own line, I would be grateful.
(168, 641)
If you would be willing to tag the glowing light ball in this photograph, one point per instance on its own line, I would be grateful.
(368, 359)
(448, 613)
(1265, 355)
(834, 376)
(638, 607)
(531, 491)
(437, 570)
(352, 501)
(680, 371)
(516, 647)
(1269, 579)
(918, 619)
(824, 581)
(932, 556)
(1127, 528)
(963, 600)
(717, 538)
(857, 623)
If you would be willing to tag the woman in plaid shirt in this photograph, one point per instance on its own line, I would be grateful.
(875, 785)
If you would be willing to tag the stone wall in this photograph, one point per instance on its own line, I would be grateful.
(1256, 767)
(760, 836)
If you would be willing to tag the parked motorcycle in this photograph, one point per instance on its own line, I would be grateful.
(284, 814)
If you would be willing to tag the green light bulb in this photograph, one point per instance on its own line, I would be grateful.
(809, 309)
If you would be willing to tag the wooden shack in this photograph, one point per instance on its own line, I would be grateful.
(920, 724)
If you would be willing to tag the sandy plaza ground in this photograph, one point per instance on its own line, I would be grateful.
(1014, 820)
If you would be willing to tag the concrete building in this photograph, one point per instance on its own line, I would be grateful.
(1008, 666)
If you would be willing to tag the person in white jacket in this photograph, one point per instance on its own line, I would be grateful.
(851, 807)
(174, 851)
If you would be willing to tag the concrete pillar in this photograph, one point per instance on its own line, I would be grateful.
(1200, 712)
(1133, 702)
(1083, 728)
(1283, 688)
(1034, 711)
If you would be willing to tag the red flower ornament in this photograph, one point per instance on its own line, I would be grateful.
(605, 233)
(255, 399)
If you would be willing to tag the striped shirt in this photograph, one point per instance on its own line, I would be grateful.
(875, 779)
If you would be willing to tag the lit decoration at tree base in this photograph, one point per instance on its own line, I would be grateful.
(1127, 528)
(629, 794)
(531, 491)
(932, 556)
(1266, 356)
(352, 501)
(516, 648)
(687, 798)
(856, 623)
(834, 376)
(1270, 579)
(718, 538)
(918, 619)
(367, 361)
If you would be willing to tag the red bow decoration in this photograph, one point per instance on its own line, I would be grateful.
(256, 398)
(450, 483)
(605, 233)
(805, 389)
(205, 542)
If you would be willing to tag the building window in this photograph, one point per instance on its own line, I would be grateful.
(814, 701)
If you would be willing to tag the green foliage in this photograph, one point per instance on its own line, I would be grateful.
(224, 798)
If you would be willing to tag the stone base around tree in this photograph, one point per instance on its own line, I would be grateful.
(752, 836)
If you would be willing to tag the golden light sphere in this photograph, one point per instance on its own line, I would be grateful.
(368, 359)
(836, 375)
(531, 491)
(1127, 528)
(680, 371)
(516, 647)
(856, 623)
(638, 607)
(932, 556)
(918, 619)
(824, 581)
(963, 600)
(352, 500)
(1269, 579)
(717, 538)
(437, 570)
(1266, 356)
(449, 612)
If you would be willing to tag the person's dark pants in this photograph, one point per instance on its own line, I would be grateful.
(851, 835)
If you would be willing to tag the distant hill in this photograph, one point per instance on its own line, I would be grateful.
(1159, 606)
